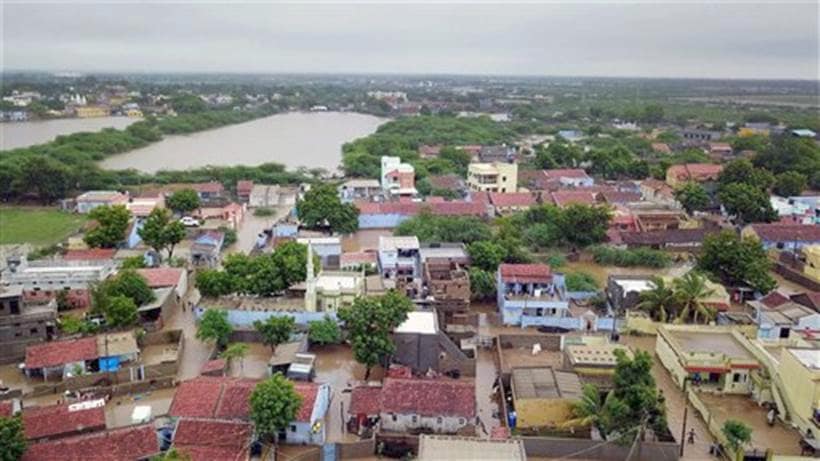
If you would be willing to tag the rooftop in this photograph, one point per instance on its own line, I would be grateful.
(692, 341)
(208, 439)
(425, 323)
(213, 397)
(429, 397)
(438, 447)
(365, 400)
(57, 353)
(93, 254)
(388, 243)
(602, 355)
(525, 273)
(130, 443)
(505, 199)
(544, 383)
(566, 197)
(114, 344)
(788, 232)
(161, 276)
(64, 419)
(809, 358)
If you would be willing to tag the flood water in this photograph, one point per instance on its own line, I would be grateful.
(295, 139)
(23, 134)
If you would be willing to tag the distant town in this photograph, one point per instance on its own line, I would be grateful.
(438, 268)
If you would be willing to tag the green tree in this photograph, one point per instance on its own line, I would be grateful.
(742, 171)
(635, 399)
(747, 203)
(12, 438)
(737, 434)
(188, 104)
(691, 291)
(325, 331)
(112, 222)
(133, 262)
(594, 220)
(130, 284)
(692, 196)
(275, 330)
(580, 281)
(183, 201)
(214, 326)
(736, 261)
(590, 410)
(120, 312)
(48, 178)
(160, 231)
(482, 284)
(235, 351)
(321, 207)
(652, 113)
(790, 183)
(788, 153)
(659, 301)
(214, 283)
(486, 255)
(370, 323)
(274, 404)
(432, 228)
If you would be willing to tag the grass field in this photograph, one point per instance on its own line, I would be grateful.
(38, 226)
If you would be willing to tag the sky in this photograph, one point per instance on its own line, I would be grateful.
(726, 39)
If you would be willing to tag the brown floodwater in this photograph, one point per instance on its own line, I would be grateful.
(23, 134)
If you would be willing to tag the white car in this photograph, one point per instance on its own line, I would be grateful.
(188, 221)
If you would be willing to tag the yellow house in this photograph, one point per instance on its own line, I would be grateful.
(543, 397)
(746, 131)
(597, 360)
(493, 177)
(799, 371)
(92, 111)
(812, 266)
(134, 113)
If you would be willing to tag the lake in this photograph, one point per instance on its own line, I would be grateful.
(23, 134)
(309, 139)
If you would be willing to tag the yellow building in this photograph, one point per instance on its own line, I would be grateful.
(135, 113)
(799, 371)
(812, 267)
(543, 397)
(493, 177)
(746, 131)
(597, 360)
(92, 111)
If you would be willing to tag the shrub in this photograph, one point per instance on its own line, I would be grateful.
(630, 258)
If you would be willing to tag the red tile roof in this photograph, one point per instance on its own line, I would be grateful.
(235, 400)
(447, 181)
(158, 277)
(209, 440)
(621, 197)
(695, 171)
(661, 147)
(55, 353)
(213, 397)
(426, 397)
(788, 232)
(525, 273)
(774, 299)
(210, 187)
(359, 257)
(244, 187)
(94, 254)
(6, 409)
(58, 420)
(213, 366)
(565, 197)
(130, 443)
(457, 208)
(308, 391)
(509, 199)
(365, 400)
(565, 173)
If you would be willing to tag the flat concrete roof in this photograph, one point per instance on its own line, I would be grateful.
(711, 342)
(810, 358)
(419, 322)
(439, 447)
(545, 383)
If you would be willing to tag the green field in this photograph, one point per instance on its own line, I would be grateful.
(38, 226)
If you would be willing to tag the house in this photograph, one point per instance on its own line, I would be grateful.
(568, 177)
(266, 196)
(422, 346)
(448, 182)
(435, 405)
(617, 197)
(310, 425)
(166, 277)
(809, 299)
(359, 189)
(714, 359)
(206, 248)
(330, 290)
(799, 382)
(359, 260)
(286, 354)
(43, 280)
(571, 135)
(87, 201)
(210, 439)
(365, 406)
(208, 191)
(129, 443)
(23, 324)
(60, 359)
(492, 177)
(399, 257)
(62, 420)
(329, 249)
(92, 111)
(501, 154)
(811, 266)
(512, 202)
(397, 178)
(439, 447)
(445, 281)
(543, 397)
(720, 150)
(141, 206)
(91, 254)
(564, 198)
(797, 210)
(244, 188)
(804, 133)
(783, 236)
(781, 321)
(624, 291)
(531, 294)
(593, 360)
(429, 151)
(755, 128)
(657, 191)
(702, 173)
(695, 134)
(153, 314)
(680, 240)
(115, 349)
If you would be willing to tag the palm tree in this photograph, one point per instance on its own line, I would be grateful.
(691, 290)
(589, 411)
(235, 351)
(660, 301)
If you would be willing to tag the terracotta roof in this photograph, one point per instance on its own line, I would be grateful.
(365, 400)
(93, 254)
(565, 173)
(6, 409)
(359, 257)
(788, 232)
(525, 273)
(808, 299)
(621, 197)
(695, 171)
(235, 400)
(457, 208)
(564, 198)
(308, 392)
(429, 151)
(54, 353)
(426, 397)
(505, 199)
(58, 420)
(208, 187)
(158, 277)
(213, 365)
(213, 397)
(244, 187)
(130, 443)
(208, 439)
(774, 299)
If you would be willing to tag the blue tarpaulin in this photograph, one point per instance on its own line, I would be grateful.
(109, 363)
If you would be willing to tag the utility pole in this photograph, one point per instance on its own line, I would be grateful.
(685, 415)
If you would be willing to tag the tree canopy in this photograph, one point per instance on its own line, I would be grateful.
(214, 326)
(160, 231)
(736, 261)
(12, 438)
(274, 403)
(275, 330)
(321, 207)
(325, 331)
(692, 196)
(434, 228)
(111, 224)
(183, 201)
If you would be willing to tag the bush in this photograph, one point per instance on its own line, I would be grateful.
(581, 281)
(630, 258)
(263, 212)
(325, 331)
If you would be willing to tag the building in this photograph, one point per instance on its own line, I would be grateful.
(811, 267)
(531, 294)
(445, 281)
(700, 135)
(87, 201)
(804, 133)
(512, 202)
(328, 249)
(208, 191)
(131, 443)
(783, 320)
(720, 150)
(166, 277)
(713, 359)
(448, 182)
(266, 196)
(702, 173)
(564, 198)
(92, 111)
(210, 439)
(207, 247)
(359, 189)
(661, 148)
(42, 281)
(435, 405)
(493, 177)
(422, 346)
(439, 447)
(243, 190)
(56, 421)
(567, 177)
(387, 215)
(591, 361)
(359, 260)
(399, 257)
(22, 324)
(397, 178)
(571, 135)
(330, 290)
(624, 291)
(657, 191)
(60, 359)
(778, 236)
(678, 240)
(543, 397)
(799, 378)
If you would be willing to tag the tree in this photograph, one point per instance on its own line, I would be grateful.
(788, 153)
(112, 222)
(652, 113)
(120, 312)
(482, 284)
(737, 434)
(370, 322)
(160, 231)
(183, 201)
(790, 183)
(593, 220)
(690, 291)
(580, 281)
(659, 301)
(130, 284)
(693, 197)
(214, 283)
(742, 171)
(45, 176)
(736, 261)
(322, 208)
(635, 399)
(12, 438)
(325, 331)
(275, 330)
(590, 410)
(432, 228)
(172, 455)
(747, 203)
(274, 404)
(133, 262)
(214, 326)
(486, 255)
(235, 351)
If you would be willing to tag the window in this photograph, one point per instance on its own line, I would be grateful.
(439, 419)
(736, 377)
(293, 428)
(461, 421)
(33, 331)
(415, 418)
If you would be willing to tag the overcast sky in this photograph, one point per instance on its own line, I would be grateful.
(727, 40)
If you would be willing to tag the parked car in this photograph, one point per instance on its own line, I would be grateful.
(188, 221)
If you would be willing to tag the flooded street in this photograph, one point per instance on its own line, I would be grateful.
(487, 401)
(252, 226)
(23, 134)
(194, 352)
(255, 363)
(367, 239)
(119, 409)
